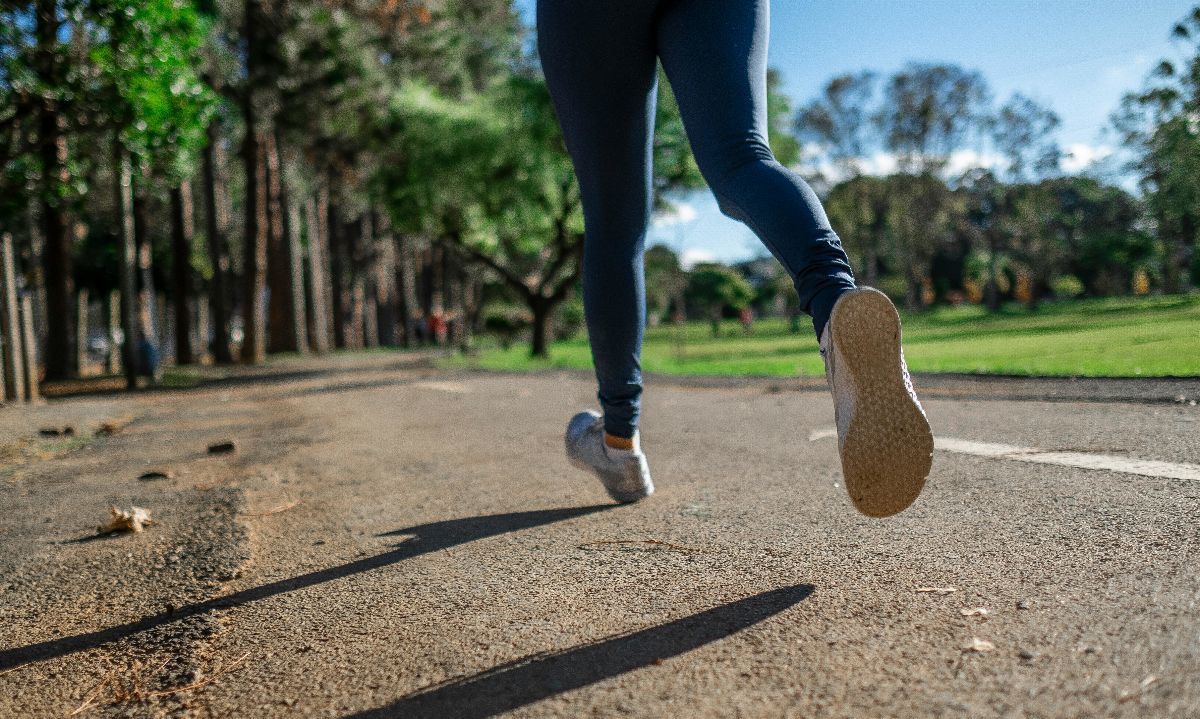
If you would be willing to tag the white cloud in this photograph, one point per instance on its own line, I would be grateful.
(695, 256)
(962, 160)
(680, 213)
(1080, 155)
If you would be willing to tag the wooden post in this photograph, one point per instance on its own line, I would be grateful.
(202, 327)
(31, 368)
(112, 364)
(81, 330)
(13, 385)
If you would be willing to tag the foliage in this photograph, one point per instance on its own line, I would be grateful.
(146, 55)
(715, 288)
(1113, 337)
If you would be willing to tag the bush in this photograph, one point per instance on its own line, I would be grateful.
(569, 320)
(505, 322)
(1066, 287)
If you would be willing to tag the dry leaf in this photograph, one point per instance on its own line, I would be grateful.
(133, 519)
(979, 645)
(112, 426)
(936, 590)
(976, 612)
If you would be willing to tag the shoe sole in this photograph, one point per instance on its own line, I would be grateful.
(888, 448)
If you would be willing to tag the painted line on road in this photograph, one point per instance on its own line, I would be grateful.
(1080, 460)
(454, 387)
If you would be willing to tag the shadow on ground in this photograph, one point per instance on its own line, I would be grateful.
(426, 538)
(525, 681)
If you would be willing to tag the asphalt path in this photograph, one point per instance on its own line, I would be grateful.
(391, 540)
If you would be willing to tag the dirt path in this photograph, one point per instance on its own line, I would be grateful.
(391, 541)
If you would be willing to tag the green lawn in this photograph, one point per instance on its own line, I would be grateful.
(1125, 337)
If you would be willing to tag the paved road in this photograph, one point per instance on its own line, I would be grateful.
(393, 541)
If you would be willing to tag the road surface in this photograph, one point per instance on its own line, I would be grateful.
(391, 540)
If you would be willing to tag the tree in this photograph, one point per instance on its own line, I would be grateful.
(665, 282)
(840, 122)
(146, 53)
(859, 209)
(1022, 130)
(928, 111)
(1158, 124)
(920, 222)
(716, 287)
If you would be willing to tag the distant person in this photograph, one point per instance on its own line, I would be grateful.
(600, 59)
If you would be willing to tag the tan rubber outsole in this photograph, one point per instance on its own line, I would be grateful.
(888, 448)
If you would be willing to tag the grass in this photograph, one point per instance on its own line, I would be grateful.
(1118, 337)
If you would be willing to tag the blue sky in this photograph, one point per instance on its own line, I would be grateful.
(1076, 56)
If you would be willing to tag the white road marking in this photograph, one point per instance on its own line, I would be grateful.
(1082, 460)
(455, 387)
(826, 433)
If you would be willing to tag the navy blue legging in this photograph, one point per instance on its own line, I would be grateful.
(599, 58)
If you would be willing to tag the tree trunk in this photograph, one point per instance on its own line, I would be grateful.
(991, 291)
(10, 324)
(295, 257)
(217, 221)
(81, 330)
(337, 270)
(147, 315)
(871, 260)
(56, 250)
(406, 289)
(182, 232)
(123, 196)
(451, 300)
(254, 265)
(543, 313)
(318, 271)
(912, 293)
(387, 299)
(286, 324)
(255, 205)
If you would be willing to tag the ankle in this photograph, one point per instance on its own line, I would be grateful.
(626, 444)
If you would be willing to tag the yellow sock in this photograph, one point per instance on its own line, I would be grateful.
(616, 442)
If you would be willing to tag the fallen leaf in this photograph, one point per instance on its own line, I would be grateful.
(112, 426)
(976, 612)
(936, 590)
(978, 645)
(133, 519)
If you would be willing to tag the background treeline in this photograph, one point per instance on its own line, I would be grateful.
(216, 179)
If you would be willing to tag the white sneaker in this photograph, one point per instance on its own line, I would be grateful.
(623, 472)
(884, 438)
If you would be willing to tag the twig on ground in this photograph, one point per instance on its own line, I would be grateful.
(592, 546)
(203, 682)
(91, 698)
(276, 510)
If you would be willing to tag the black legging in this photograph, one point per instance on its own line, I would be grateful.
(599, 58)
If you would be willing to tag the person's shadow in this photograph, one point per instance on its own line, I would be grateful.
(427, 538)
(530, 679)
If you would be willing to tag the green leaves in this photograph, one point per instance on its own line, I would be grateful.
(147, 55)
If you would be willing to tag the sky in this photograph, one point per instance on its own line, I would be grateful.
(1076, 56)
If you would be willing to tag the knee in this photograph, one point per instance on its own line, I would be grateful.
(723, 162)
(725, 168)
